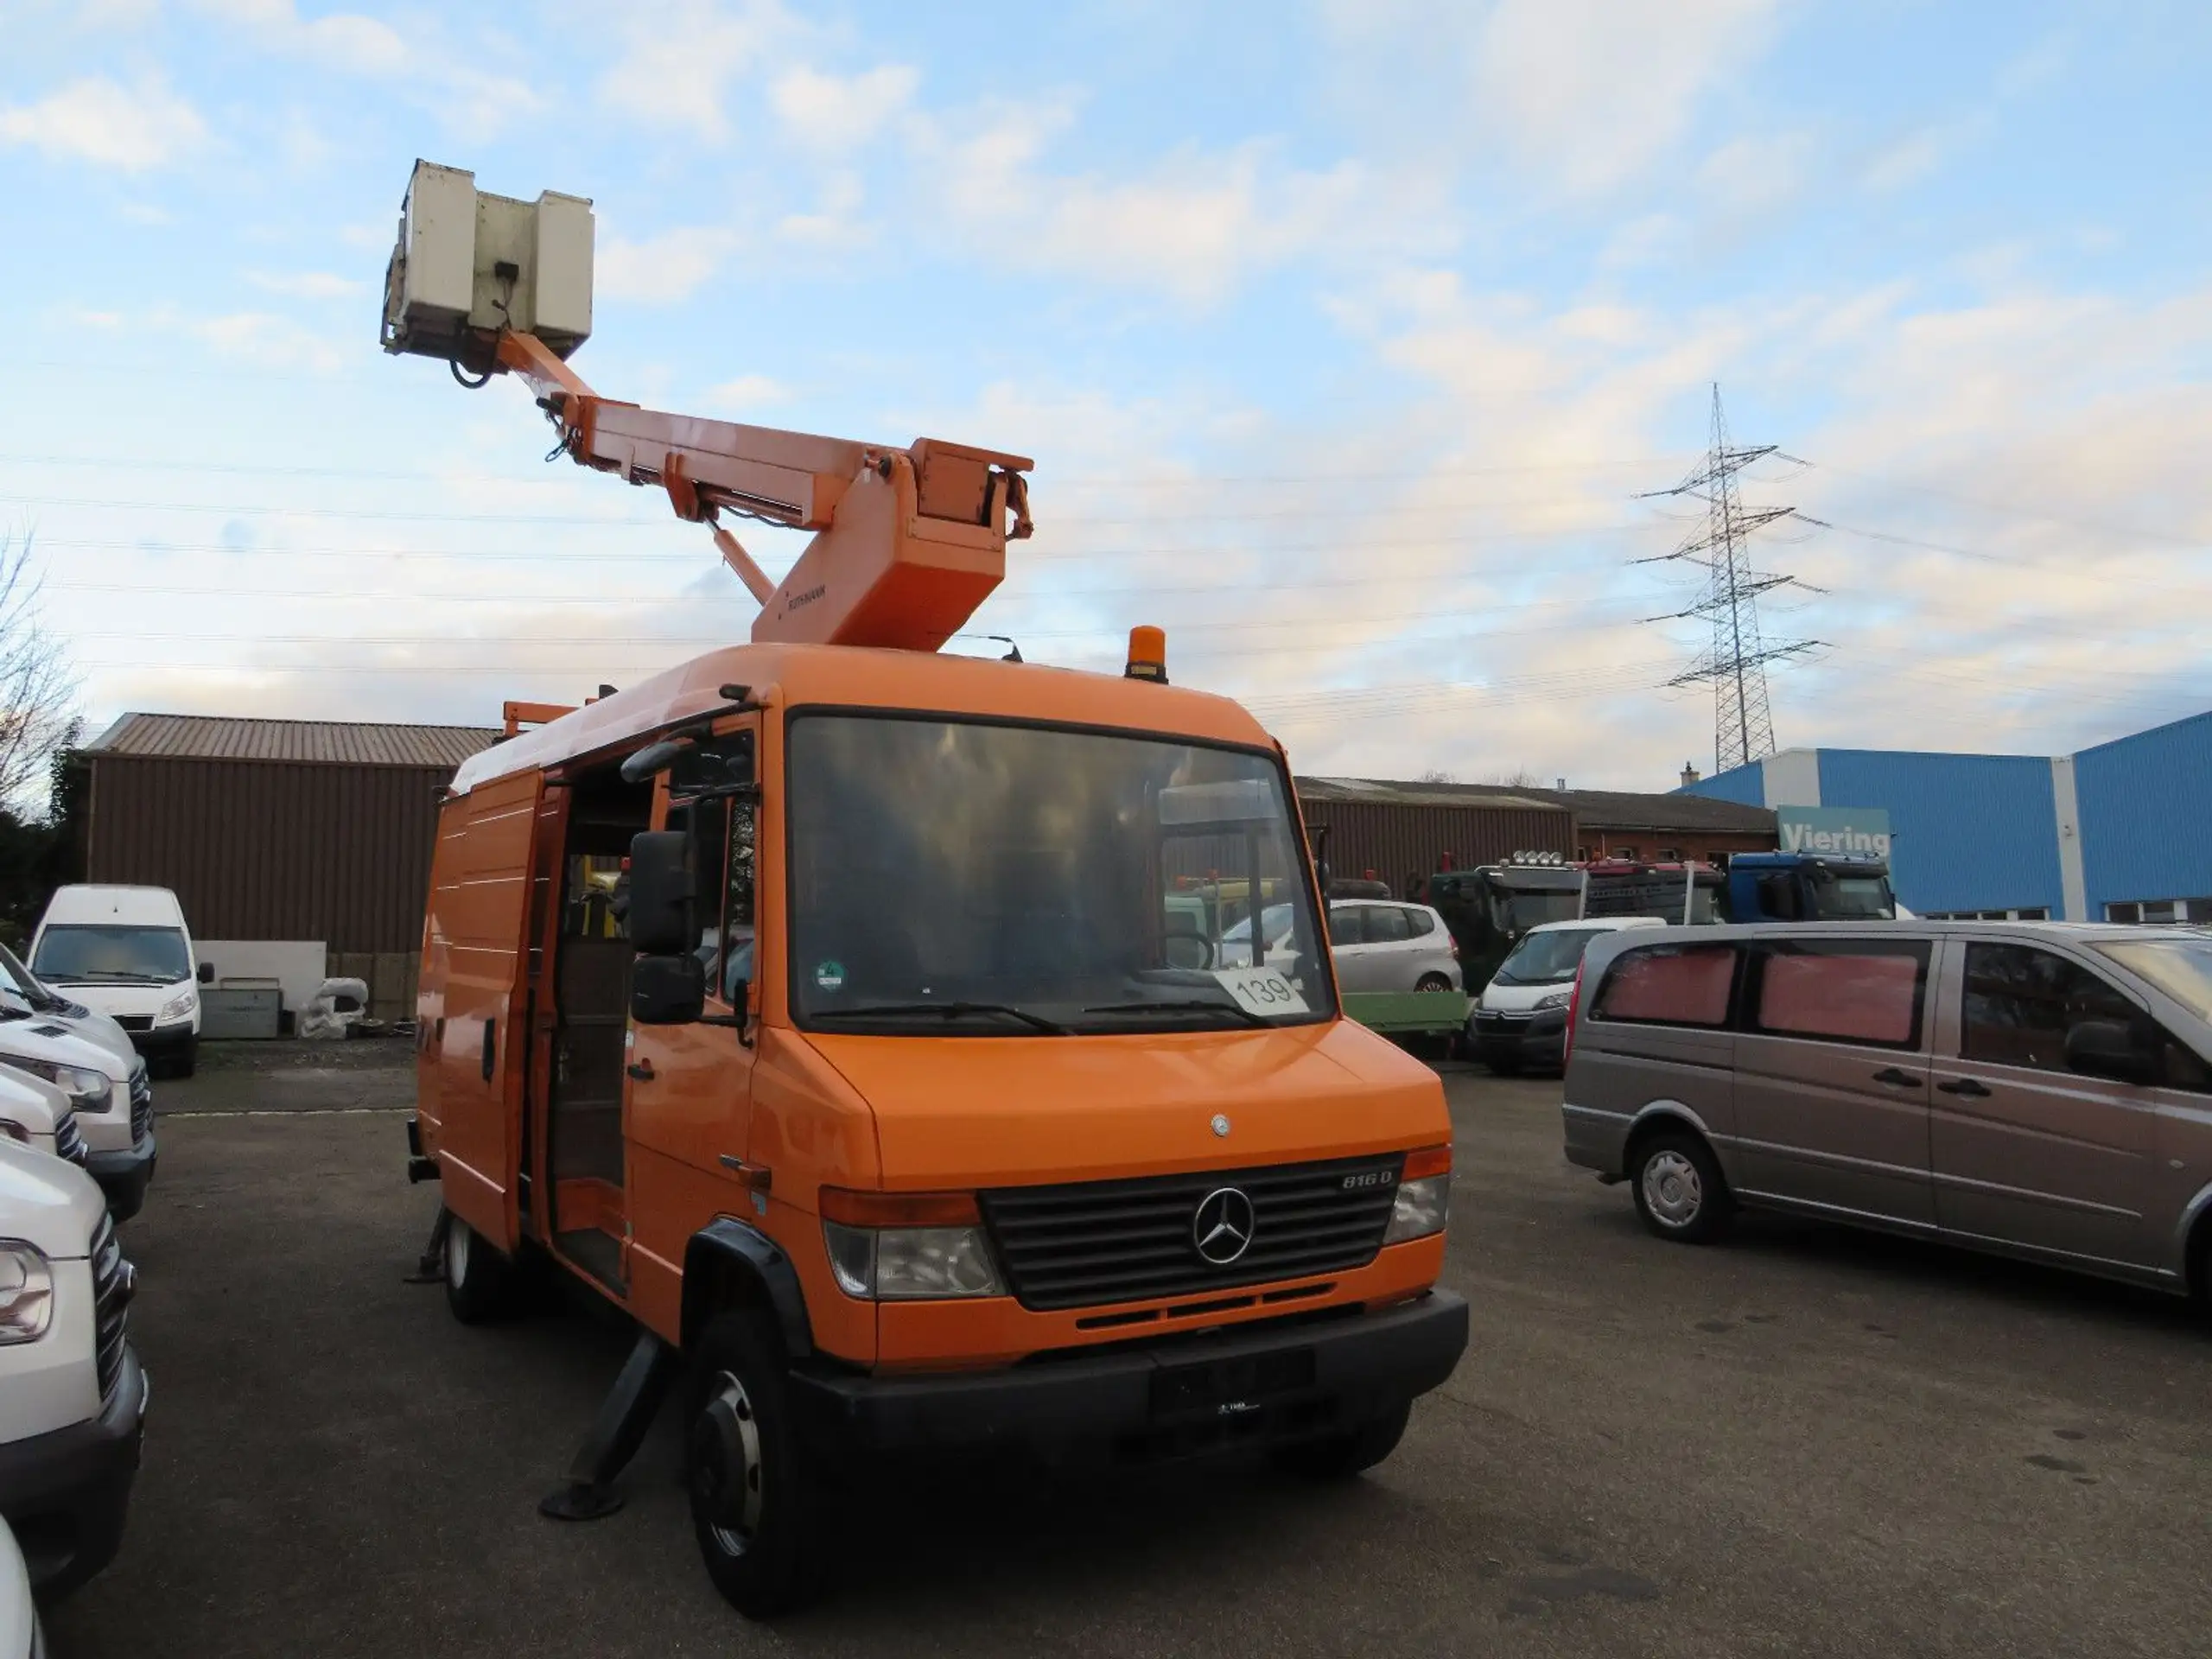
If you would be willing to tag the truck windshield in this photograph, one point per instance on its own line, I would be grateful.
(111, 955)
(1027, 882)
(1547, 958)
(1838, 897)
(1519, 910)
(2180, 968)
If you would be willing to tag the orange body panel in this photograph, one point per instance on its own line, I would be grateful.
(917, 1113)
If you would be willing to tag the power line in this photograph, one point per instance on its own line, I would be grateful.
(1735, 665)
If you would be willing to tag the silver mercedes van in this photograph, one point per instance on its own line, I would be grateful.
(2038, 1088)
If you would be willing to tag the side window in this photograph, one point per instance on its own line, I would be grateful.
(1669, 985)
(1419, 923)
(2020, 1001)
(1343, 925)
(1386, 924)
(1851, 992)
(737, 902)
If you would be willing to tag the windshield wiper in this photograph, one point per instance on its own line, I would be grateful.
(948, 1010)
(1185, 1005)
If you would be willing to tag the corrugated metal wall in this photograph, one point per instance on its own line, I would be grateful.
(2145, 802)
(1399, 839)
(270, 849)
(1746, 785)
(1972, 831)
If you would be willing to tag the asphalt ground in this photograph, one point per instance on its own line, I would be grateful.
(1805, 1441)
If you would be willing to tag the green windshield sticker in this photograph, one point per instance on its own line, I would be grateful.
(830, 975)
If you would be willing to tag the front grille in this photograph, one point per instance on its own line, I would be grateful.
(1094, 1243)
(110, 1297)
(135, 1021)
(68, 1139)
(142, 1105)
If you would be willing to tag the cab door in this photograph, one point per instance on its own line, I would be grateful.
(689, 1088)
(2027, 1150)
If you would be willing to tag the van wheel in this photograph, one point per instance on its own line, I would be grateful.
(1680, 1191)
(1342, 1456)
(479, 1280)
(757, 1504)
(1433, 982)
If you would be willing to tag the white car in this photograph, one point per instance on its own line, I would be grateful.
(72, 1396)
(35, 1113)
(1520, 1019)
(126, 953)
(20, 1635)
(1382, 945)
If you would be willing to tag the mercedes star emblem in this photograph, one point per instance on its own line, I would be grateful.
(1220, 1125)
(1222, 1228)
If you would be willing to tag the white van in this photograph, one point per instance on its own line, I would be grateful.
(107, 1093)
(126, 953)
(1520, 1019)
(72, 1398)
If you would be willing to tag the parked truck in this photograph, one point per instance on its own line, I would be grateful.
(902, 1101)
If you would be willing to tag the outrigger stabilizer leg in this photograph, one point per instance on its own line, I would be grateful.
(430, 1266)
(616, 1433)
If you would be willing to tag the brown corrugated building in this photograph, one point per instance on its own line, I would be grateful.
(1402, 830)
(276, 829)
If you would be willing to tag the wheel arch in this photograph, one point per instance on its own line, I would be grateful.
(2193, 1236)
(730, 1263)
(1656, 1118)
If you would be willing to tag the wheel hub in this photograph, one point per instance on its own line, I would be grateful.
(1671, 1188)
(726, 1471)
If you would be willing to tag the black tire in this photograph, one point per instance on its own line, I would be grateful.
(1680, 1191)
(1432, 982)
(1340, 1456)
(480, 1280)
(758, 1504)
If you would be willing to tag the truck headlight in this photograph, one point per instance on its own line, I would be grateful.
(26, 1292)
(1424, 1203)
(88, 1091)
(179, 1007)
(907, 1247)
(1556, 1000)
(14, 1130)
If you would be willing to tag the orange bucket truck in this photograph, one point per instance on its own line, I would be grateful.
(836, 1008)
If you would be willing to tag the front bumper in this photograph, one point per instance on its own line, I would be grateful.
(66, 1493)
(124, 1176)
(1281, 1381)
(1537, 1039)
(178, 1039)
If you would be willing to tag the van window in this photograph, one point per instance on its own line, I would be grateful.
(1852, 993)
(69, 955)
(2020, 1001)
(1669, 985)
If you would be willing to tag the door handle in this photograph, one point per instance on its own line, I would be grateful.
(641, 1070)
(1967, 1086)
(1896, 1078)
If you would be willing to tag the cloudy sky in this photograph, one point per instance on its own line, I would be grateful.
(1346, 336)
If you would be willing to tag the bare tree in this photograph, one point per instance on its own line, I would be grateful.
(1519, 778)
(37, 687)
(1437, 775)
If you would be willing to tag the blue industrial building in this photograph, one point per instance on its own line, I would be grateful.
(2115, 832)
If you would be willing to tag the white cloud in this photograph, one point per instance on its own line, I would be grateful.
(660, 269)
(836, 221)
(679, 58)
(306, 284)
(1593, 93)
(98, 120)
(1750, 177)
(840, 112)
(748, 392)
(264, 338)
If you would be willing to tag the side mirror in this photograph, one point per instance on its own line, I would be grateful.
(2107, 1048)
(207, 973)
(667, 990)
(661, 893)
(652, 761)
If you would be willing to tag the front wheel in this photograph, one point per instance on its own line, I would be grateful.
(1680, 1191)
(1339, 1457)
(757, 1506)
